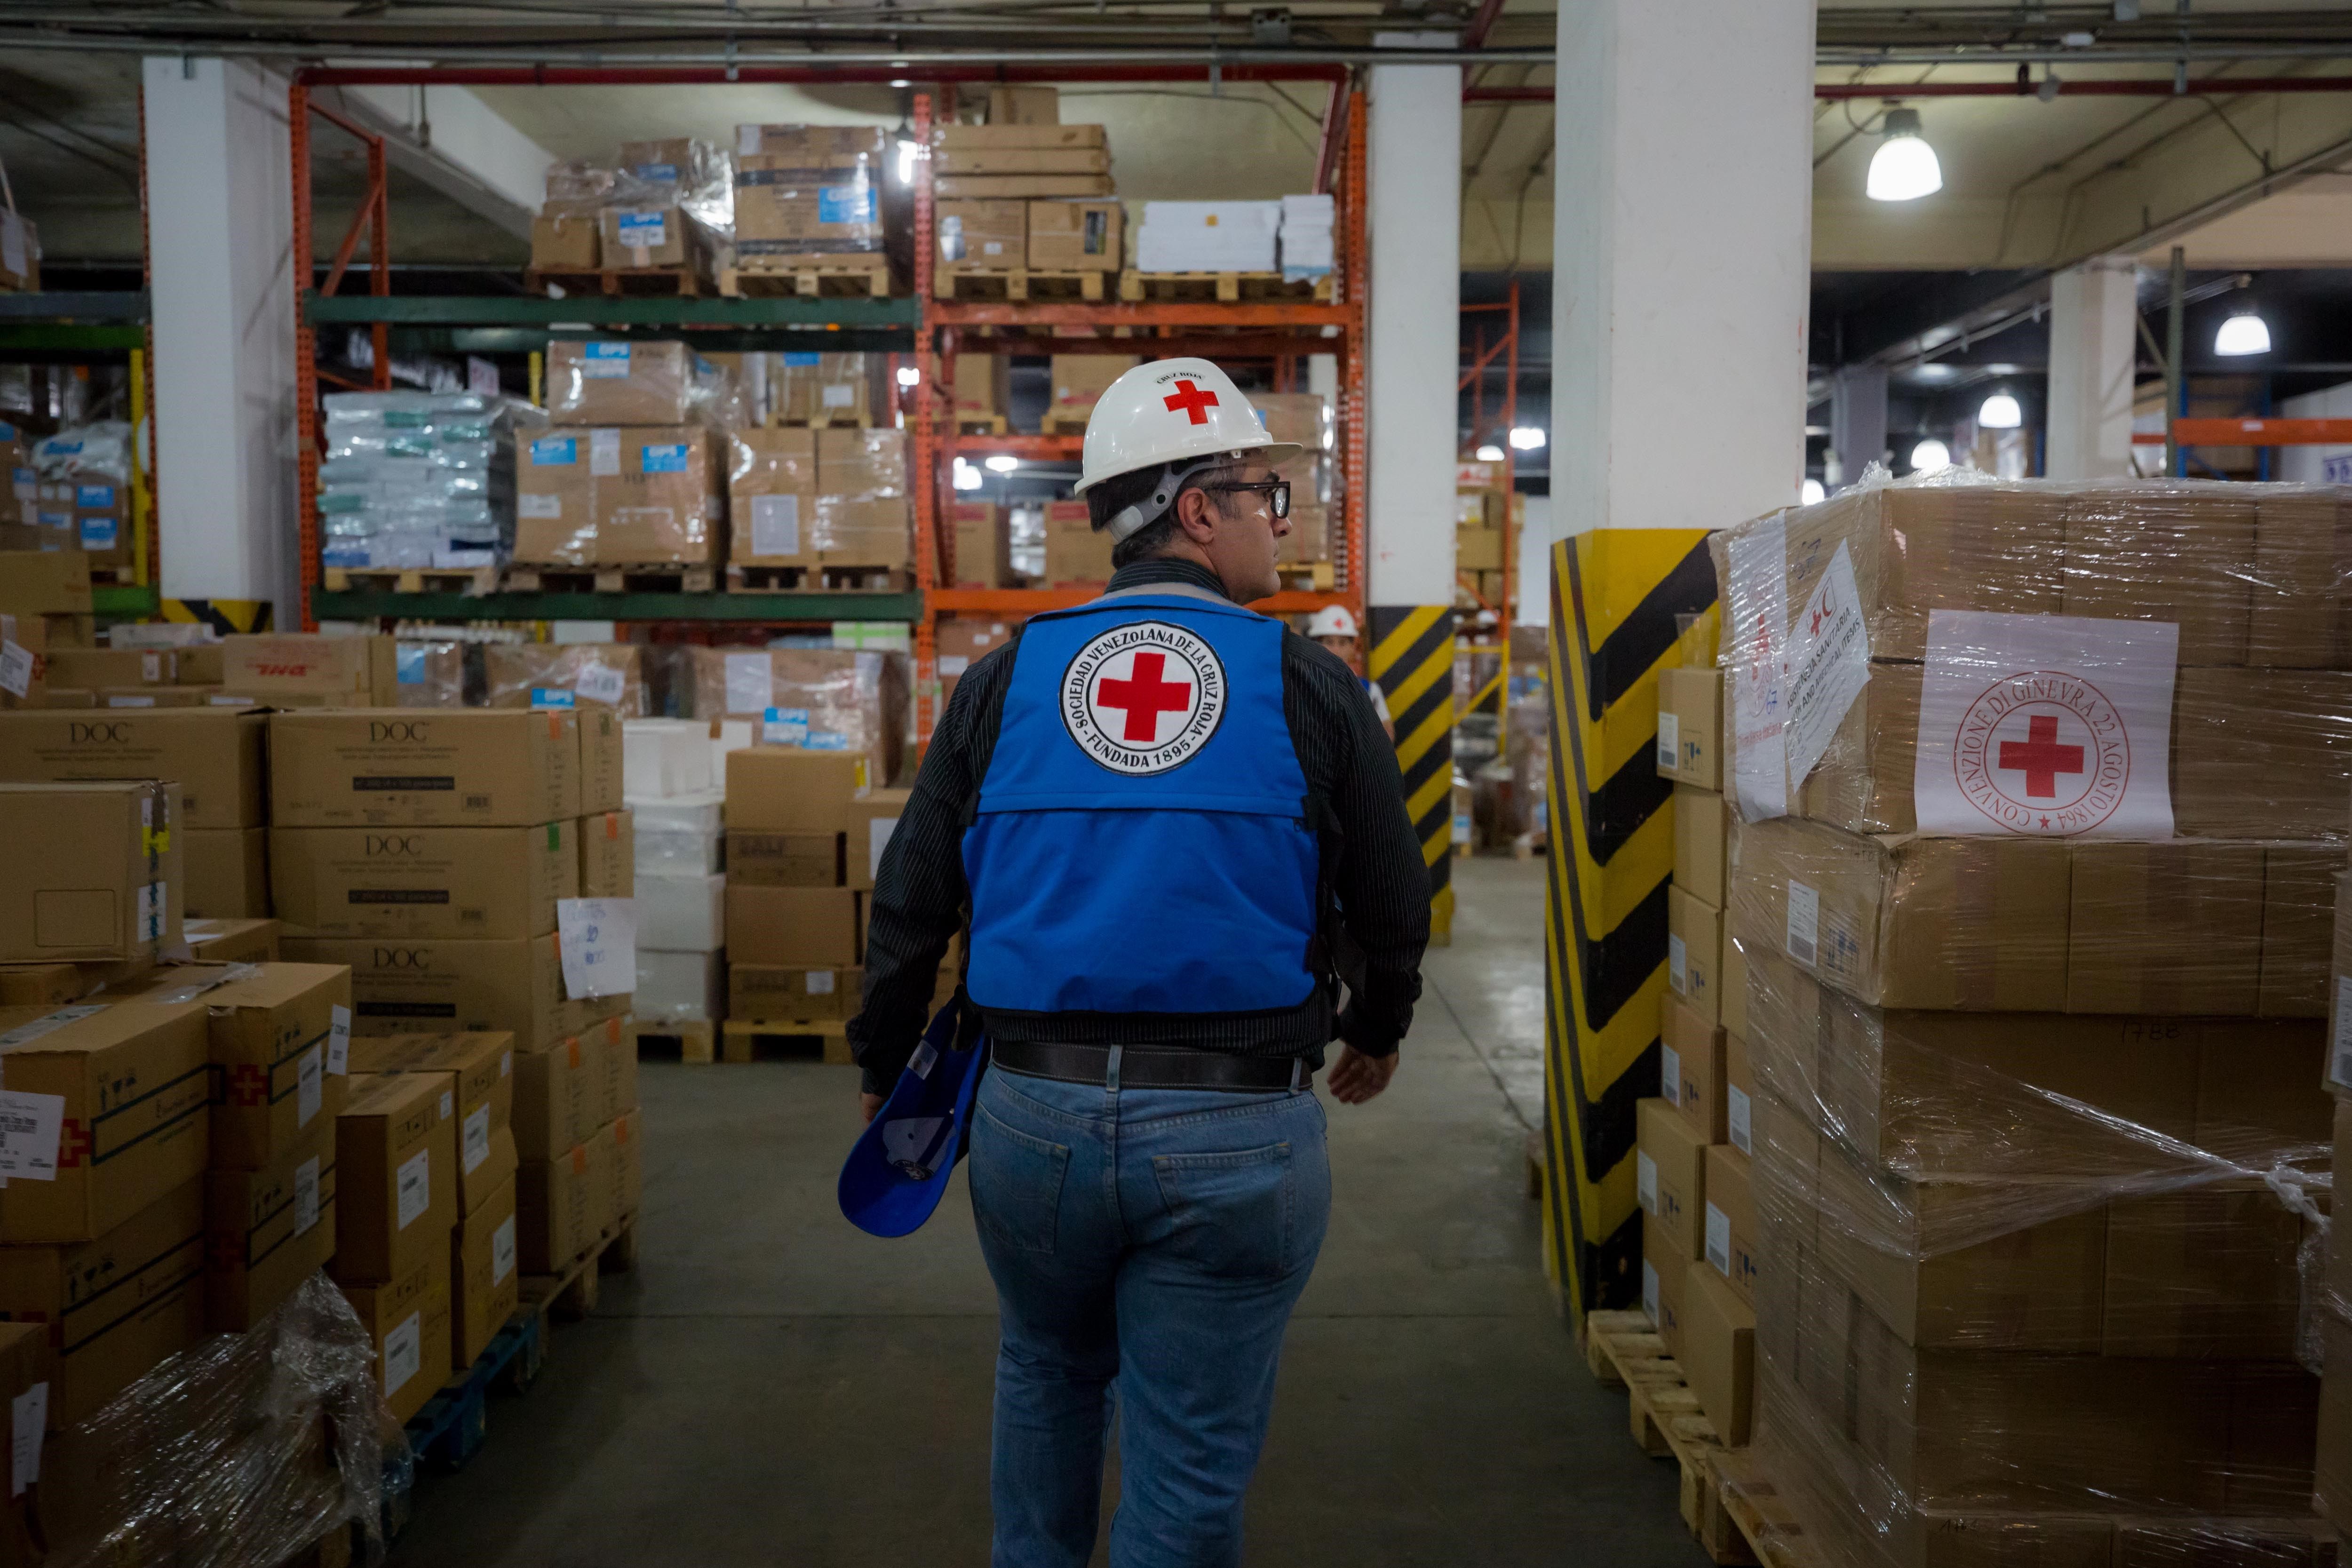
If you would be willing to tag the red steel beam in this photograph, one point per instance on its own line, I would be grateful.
(2251, 433)
(1334, 131)
(694, 76)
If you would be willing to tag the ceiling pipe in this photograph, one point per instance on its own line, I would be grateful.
(2150, 87)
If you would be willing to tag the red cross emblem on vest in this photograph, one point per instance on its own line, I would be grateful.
(1144, 697)
(1190, 400)
(2040, 757)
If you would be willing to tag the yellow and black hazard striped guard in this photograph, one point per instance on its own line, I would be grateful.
(1626, 604)
(227, 616)
(1412, 658)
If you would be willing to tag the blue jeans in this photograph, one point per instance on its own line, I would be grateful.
(1150, 1241)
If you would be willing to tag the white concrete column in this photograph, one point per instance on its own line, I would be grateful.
(220, 229)
(2094, 344)
(1414, 154)
(1681, 236)
(1858, 422)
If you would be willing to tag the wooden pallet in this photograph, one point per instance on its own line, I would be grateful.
(1053, 423)
(961, 281)
(113, 576)
(1754, 1509)
(652, 578)
(981, 424)
(684, 281)
(847, 277)
(571, 1293)
(455, 1422)
(1226, 288)
(692, 1036)
(819, 580)
(1624, 1351)
(1312, 576)
(471, 581)
(745, 1038)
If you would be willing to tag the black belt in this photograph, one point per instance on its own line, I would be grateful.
(1145, 1067)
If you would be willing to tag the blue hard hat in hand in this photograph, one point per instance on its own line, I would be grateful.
(901, 1162)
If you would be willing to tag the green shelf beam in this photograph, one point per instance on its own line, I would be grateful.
(68, 337)
(363, 604)
(600, 312)
(116, 305)
(714, 339)
(125, 601)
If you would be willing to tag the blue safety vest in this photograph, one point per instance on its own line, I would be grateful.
(1143, 841)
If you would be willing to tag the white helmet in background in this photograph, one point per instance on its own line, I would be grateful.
(1332, 621)
(1179, 415)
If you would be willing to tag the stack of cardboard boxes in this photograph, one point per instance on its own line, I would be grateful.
(793, 881)
(621, 479)
(82, 497)
(681, 883)
(666, 206)
(1014, 195)
(835, 498)
(983, 546)
(814, 698)
(1482, 507)
(1078, 554)
(44, 607)
(2014, 1075)
(1303, 417)
(585, 675)
(1079, 380)
(809, 197)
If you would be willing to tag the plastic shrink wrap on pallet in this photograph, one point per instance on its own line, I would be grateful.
(2043, 793)
(419, 479)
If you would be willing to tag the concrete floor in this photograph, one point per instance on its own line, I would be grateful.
(772, 1387)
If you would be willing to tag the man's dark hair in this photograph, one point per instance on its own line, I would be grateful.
(1116, 494)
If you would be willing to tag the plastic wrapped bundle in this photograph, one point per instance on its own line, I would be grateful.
(245, 1450)
(814, 698)
(564, 675)
(807, 190)
(419, 479)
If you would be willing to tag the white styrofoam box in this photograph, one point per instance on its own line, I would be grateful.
(682, 914)
(562, 632)
(662, 757)
(702, 812)
(676, 854)
(1306, 250)
(673, 987)
(1208, 237)
(1309, 212)
(734, 734)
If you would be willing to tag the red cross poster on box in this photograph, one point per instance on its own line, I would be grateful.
(2048, 725)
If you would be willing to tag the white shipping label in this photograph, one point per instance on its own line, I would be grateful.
(604, 454)
(1829, 663)
(448, 1105)
(952, 664)
(1804, 922)
(2057, 726)
(16, 669)
(1718, 1240)
(775, 526)
(820, 982)
(151, 667)
(877, 833)
(840, 394)
(545, 507)
(597, 939)
(604, 362)
(403, 1352)
(1677, 963)
(603, 683)
(1670, 739)
(339, 1041)
(28, 1418)
(414, 1187)
(477, 1138)
(1645, 1179)
(751, 683)
(1650, 1289)
(30, 1127)
(310, 1083)
(1755, 653)
(506, 1063)
(306, 1195)
(747, 140)
(1670, 1074)
(502, 1250)
(1739, 1109)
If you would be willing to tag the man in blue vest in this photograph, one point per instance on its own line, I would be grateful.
(1176, 824)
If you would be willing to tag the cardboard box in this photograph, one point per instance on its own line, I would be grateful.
(628, 1169)
(655, 496)
(228, 872)
(851, 700)
(1000, 186)
(1077, 552)
(1728, 1237)
(1078, 380)
(784, 860)
(44, 582)
(269, 1230)
(407, 1319)
(1690, 726)
(608, 855)
(771, 489)
(28, 1368)
(772, 994)
(1690, 1067)
(865, 463)
(2302, 550)
(116, 1305)
(781, 789)
(454, 987)
(228, 941)
(485, 1275)
(90, 872)
(983, 543)
(482, 1067)
(2165, 927)
(559, 1094)
(561, 1203)
(2333, 1480)
(1732, 1002)
(649, 235)
(396, 1174)
(1663, 1286)
(2207, 1272)
(604, 759)
(134, 1085)
(1695, 951)
(2185, 557)
(592, 678)
(118, 666)
(1479, 550)
(618, 381)
(1076, 235)
(827, 389)
(565, 242)
(805, 928)
(1738, 1095)
(1702, 834)
(555, 498)
(960, 641)
(877, 533)
(1010, 128)
(813, 146)
(1020, 160)
(404, 768)
(1670, 1175)
(1718, 1353)
(287, 669)
(397, 882)
(269, 1035)
(784, 207)
(872, 817)
(993, 235)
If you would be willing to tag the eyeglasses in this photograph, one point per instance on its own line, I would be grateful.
(1275, 491)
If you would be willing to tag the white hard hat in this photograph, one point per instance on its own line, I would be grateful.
(1332, 621)
(1176, 416)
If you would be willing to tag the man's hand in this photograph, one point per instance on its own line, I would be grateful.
(1356, 1078)
(868, 1104)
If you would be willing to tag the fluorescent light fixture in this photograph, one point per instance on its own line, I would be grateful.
(1811, 491)
(908, 375)
(1490, 454)
(1930, 455)
(967, 477)
(2001, 412)
(1527, 438)
(908, 150)
(2243, 334)
(1903, 168)
(1001, 462)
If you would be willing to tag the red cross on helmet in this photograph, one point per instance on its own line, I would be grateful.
(1173, 413)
